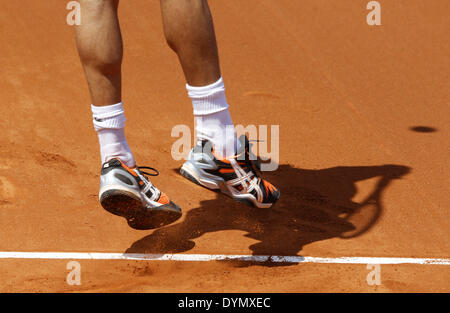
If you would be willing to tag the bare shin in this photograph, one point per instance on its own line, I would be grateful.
(99, 43)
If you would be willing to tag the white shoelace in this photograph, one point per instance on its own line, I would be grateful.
(247, 180)
(149, 186)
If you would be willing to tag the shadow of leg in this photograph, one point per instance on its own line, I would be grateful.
(315, 205)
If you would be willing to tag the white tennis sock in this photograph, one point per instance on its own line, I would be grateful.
(109, 122)
(212, 117)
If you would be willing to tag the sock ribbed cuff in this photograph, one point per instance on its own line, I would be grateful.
(108, 117)
(208, 99)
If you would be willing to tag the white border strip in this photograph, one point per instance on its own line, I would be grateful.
(218, 257)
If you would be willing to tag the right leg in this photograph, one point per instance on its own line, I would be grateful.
(99, 43)
(124, 189)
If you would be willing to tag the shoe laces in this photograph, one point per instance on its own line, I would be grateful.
(246, 180)
(252, 162)
(148, 184)
(141, 168)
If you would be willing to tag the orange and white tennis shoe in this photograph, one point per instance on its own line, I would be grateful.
(128, 192)
(236, 177)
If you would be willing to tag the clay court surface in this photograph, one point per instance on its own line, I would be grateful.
(364, 149)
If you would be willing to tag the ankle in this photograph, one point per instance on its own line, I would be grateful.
(109, 122)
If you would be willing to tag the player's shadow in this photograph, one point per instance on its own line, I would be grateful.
(314, 205)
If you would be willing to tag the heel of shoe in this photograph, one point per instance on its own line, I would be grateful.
(189, 171)
(120, 203)
(189, 176)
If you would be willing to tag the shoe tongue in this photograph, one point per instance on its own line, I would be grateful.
(242, 145)
(244, 152)
(241, 149)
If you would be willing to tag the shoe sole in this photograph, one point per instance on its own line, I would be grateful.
(189, 172)
(128, 206)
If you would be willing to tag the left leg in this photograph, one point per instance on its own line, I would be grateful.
(189, 31)
(217, 162)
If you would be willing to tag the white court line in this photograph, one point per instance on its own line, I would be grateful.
(220, 257)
